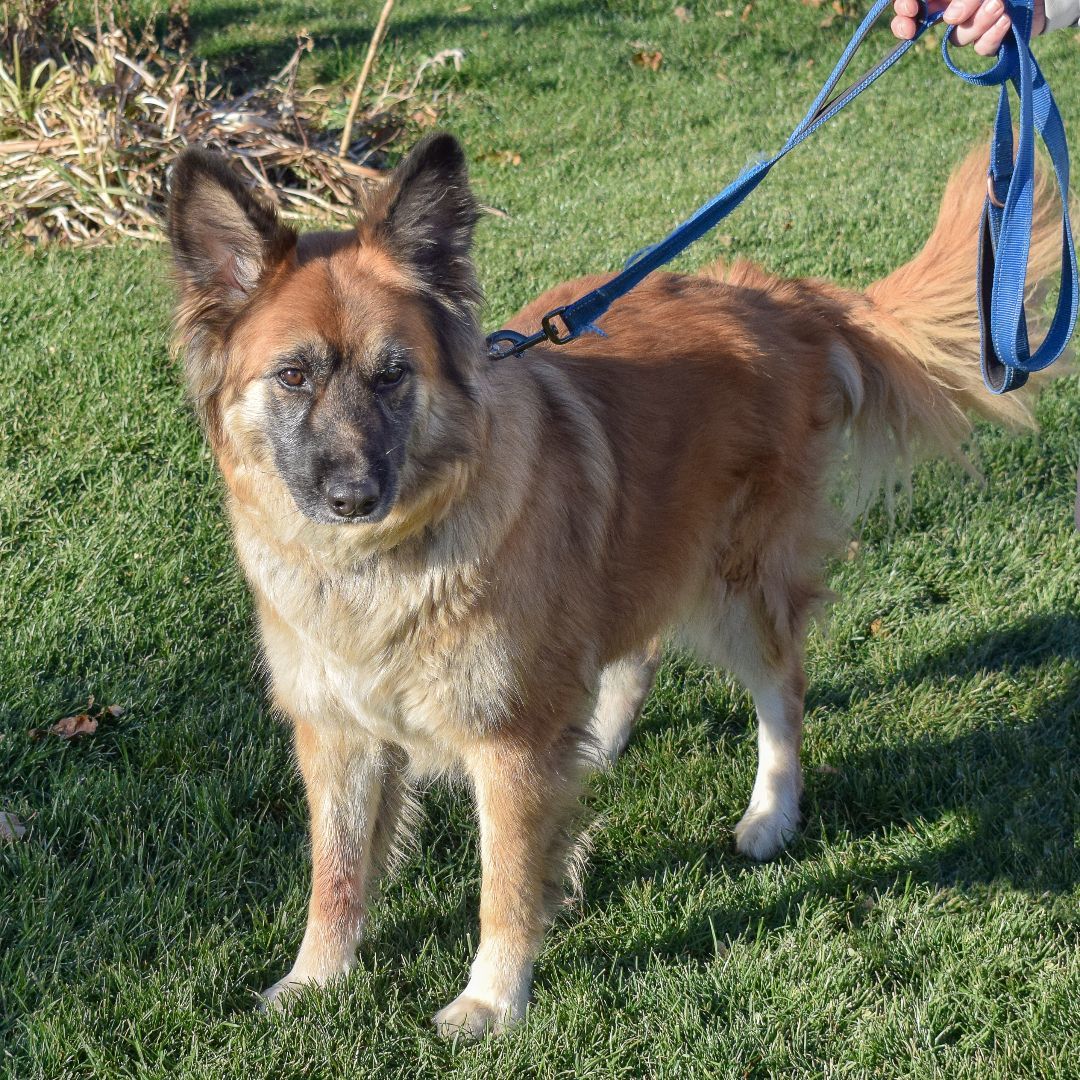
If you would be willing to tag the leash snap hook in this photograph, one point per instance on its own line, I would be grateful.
(504, 343)
(991, 192)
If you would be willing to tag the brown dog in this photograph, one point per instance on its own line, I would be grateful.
(463, 566)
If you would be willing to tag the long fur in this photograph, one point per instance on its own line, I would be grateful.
(542, 524)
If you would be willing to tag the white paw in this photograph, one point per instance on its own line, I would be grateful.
(473, 1018)
(276, 998)
(762, 834)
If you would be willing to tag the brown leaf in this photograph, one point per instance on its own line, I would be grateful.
(877, 629)
(651, 59)
(826, 22)
(502, 157)
(682, 14)
(746, 11)
(11, 828)
(72, 727)
(115, 710)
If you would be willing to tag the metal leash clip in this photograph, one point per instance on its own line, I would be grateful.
(504, 343)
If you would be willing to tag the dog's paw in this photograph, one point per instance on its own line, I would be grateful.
(763, 834)
(473, 1018)
(277, 998)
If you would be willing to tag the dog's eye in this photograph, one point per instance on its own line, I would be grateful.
(292, 377)
(391, 375)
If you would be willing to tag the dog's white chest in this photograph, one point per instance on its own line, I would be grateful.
(403, 658)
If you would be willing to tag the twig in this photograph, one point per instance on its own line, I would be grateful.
(373, 48)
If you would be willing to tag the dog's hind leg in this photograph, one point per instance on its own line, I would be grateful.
(352, 792)
(743, 640)
(772, 817)
(624, 686)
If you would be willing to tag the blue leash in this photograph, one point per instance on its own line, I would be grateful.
(1006, 227)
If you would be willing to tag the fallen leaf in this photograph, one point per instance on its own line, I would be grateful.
(650, 59)
(746, 11)
(11, 828)
(877, 628)
(502, 157)
(115, 710)
(683, 14)
(826, 22)
(72, 727)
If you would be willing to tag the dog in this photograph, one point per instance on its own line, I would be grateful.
(469, 566)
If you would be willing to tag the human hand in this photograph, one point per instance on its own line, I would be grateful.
(982, 23)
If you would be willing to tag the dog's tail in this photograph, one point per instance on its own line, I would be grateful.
(910, 369)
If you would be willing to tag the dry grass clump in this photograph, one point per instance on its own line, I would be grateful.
(91, 119)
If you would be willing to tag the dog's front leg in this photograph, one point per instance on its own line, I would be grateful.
(524, 800)
(344, 779)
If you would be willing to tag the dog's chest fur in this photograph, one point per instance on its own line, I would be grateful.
(404, 650)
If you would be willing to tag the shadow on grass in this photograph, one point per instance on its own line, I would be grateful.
(1009, 788)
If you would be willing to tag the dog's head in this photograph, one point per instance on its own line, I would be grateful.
(341, 364)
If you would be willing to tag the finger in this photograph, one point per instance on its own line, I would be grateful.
(990, 42)
(903, 27)
(906, 9)
(959, 11)
(979, 23)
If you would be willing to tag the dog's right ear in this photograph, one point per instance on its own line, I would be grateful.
(224, 240)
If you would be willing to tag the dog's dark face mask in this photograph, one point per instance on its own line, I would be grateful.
(340, 426)
(352, 356)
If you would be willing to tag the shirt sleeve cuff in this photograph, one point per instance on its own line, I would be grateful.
(1061, 13)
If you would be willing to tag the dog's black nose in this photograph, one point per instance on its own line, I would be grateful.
(353, 498)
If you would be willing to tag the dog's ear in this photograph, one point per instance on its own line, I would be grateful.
(224, 239)
(425, 216)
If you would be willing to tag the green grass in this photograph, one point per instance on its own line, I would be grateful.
(924, 924)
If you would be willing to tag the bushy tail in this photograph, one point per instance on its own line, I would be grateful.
(915, 338)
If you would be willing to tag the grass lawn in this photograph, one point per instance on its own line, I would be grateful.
(924, 924)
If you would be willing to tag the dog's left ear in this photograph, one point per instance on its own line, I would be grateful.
(425, 218)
